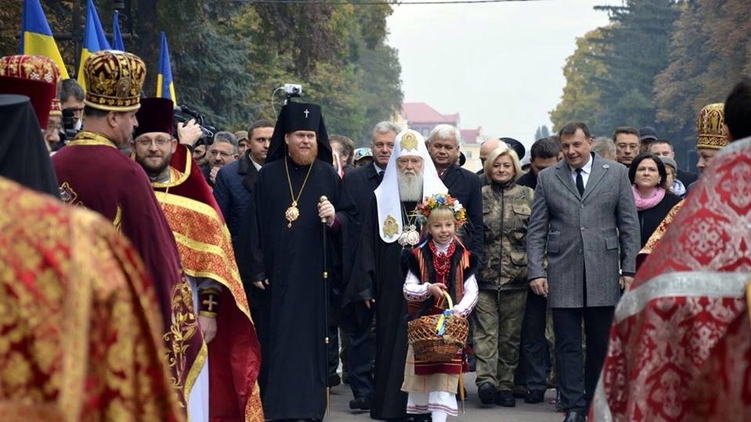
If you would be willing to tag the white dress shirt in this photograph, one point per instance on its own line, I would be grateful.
(586, 171)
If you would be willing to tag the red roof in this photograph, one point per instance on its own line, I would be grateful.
(470, 135)
(416, 113)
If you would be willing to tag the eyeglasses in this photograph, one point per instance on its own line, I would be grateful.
(216, 152)
(160, 142)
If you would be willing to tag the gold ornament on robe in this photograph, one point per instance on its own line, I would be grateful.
(390, 227)
(292, 214)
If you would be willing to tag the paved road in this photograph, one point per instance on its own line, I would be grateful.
(542, 412)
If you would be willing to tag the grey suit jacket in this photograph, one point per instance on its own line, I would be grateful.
(596, 234)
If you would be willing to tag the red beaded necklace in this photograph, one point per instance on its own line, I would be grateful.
(441, 260)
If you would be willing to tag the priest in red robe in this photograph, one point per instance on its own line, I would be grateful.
(208, 259)
(93, 173)
(687, 293)
(80, 338)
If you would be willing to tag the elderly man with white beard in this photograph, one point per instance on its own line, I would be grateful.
(390, 228)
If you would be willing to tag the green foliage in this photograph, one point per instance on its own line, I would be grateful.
(581, 100)
(228, 57)
(710, 50)
(636, 50)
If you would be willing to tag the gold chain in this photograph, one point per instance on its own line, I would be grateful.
(292, 212)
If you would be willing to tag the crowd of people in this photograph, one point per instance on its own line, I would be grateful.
(151, 275)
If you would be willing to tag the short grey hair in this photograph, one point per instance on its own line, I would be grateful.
(386, 127)
(227, 137)
(445, 131)
(603, 146)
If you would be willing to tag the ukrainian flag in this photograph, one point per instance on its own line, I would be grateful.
(93, 38)
(117, 38)
(36, 35)
(164, 86)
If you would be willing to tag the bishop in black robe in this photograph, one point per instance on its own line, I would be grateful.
(289, 255)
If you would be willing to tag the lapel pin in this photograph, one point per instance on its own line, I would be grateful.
(606, 166)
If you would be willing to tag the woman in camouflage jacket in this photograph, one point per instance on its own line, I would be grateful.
(503, 282)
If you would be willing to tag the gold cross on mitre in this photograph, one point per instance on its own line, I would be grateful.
(408, 141)
(210, 303)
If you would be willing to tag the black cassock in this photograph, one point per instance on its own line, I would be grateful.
(378, 273)
(294, 356)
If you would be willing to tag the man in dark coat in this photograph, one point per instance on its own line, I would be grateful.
(234, 182)
(443, 147)
(289, 221)
(361, 183)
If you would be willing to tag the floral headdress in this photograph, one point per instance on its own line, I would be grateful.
(440, 200)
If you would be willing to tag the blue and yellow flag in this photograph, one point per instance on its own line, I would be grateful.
(164, 86)
(93, 38)
(36, 35)
(117, 38)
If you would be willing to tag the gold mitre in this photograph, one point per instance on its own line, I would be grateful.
(114, 80)
(710, 127)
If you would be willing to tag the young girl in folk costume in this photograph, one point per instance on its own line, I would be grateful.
(440, 263)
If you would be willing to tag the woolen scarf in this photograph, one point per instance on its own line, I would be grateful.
(646, 203)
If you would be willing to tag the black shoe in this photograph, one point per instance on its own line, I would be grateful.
(486, 392)
(558, 405)
(520, 391)
(422, 418)
(334, 380)
(505, 398)
(360, 404)
(534, 396)
(575, 416)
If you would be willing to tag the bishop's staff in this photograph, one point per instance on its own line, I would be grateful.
(321, 200)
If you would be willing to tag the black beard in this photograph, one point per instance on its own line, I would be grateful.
(153, 172)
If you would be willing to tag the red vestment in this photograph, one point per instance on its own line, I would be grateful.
(723, 390)
(80, 330)
(94, 174)
(206, 252)
(684, 297)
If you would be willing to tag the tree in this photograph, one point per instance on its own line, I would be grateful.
(542, 132)
(710, 50)
(635, 50)
(581, 97)
(228, 57)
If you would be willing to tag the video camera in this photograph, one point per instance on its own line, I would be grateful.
(69, 124)
(183, 114)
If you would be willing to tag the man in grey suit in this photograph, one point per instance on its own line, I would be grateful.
(584, 221)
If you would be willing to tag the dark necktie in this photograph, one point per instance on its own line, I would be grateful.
(379, 176)
(579, 182)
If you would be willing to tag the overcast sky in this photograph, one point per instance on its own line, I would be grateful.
(500, 65)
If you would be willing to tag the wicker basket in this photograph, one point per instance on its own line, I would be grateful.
(431, 347)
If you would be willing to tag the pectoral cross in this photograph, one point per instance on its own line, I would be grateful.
(210, 302)
(306, 112)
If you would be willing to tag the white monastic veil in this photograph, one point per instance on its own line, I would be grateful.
(407, 143)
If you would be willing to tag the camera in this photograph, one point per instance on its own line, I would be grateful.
(293, 90)
(183, 113)
(69, 124)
